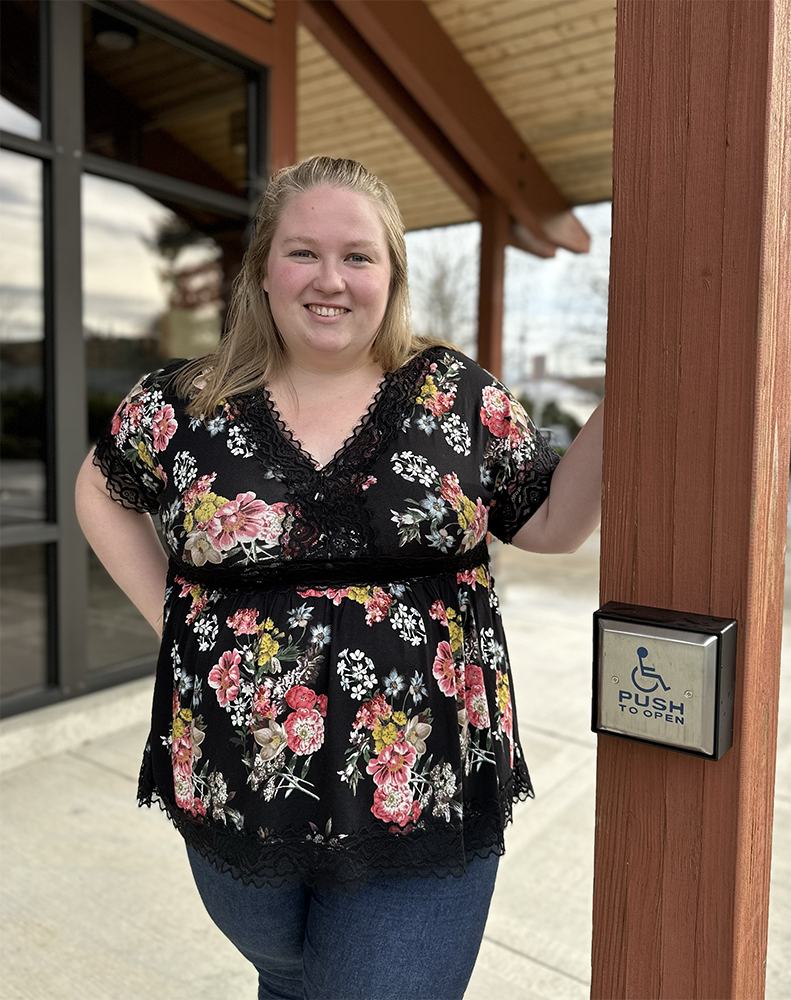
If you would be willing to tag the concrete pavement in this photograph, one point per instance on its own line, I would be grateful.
(98, 902)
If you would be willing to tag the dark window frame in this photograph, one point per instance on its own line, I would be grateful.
(61, 151)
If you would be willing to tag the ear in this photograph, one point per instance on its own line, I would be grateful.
(265, 283)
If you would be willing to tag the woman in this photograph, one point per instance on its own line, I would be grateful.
(333, 714)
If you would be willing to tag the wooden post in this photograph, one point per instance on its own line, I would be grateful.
(495, 235)
(283, 103)
(696, 467)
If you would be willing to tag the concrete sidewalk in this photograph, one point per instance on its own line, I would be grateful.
(97, 897)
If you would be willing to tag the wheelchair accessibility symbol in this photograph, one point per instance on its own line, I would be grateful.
(647, 674)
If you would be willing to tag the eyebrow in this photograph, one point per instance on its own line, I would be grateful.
(309, 241)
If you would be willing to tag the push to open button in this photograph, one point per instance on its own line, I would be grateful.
(664, 678)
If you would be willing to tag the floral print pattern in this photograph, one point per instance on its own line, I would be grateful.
(303, 716)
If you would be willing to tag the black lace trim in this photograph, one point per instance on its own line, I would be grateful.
(331, 573)
(338, 865)
(329, 522)
(121, 483)
(525, 493)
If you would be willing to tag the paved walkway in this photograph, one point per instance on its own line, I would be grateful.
(97, 898)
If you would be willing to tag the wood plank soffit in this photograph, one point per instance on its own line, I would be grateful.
(413, 45)
(345, 44)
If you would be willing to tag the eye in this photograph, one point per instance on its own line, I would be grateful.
(301, 253)
(359, 258)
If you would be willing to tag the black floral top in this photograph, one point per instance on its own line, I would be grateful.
(333, 697)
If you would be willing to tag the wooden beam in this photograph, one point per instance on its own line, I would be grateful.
(345, 44)
(695, 477)
(414, 46)
(226, 23)
(495, 233)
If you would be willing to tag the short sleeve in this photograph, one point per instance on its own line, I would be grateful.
(517, 463)
(129, 452)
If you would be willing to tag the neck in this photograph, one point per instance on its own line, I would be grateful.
(300, 374)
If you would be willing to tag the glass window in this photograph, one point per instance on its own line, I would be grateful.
(23, 619)
(153, 104)
(22, 402)
(156, 283)
(117, 632)
(20, 98)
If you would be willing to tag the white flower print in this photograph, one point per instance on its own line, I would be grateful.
(394, 683)
(493, 651)
(456, 433)
(434, 506)
(409, 624)
(321, 634)
(440, 538)
(206, 629)
(237, 442)
(426, 423)
(185, 470)
(356, 673)
(414, 468)
(417, 687)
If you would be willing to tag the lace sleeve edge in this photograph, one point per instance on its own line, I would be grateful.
(514, 506)
(120, 483)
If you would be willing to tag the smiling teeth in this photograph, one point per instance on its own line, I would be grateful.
(324, 311)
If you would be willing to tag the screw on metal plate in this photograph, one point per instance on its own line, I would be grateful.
(614, 680)
(687, 694)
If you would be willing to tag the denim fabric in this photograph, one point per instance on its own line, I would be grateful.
(411, 938)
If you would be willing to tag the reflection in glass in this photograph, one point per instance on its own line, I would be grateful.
(117, 632)
(156, 282)
(22, 405)
(23, 618)
(153, 104)
(20, 99)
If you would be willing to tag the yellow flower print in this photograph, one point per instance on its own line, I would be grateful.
(359, 594)
(429, 388)
(268, 648)
(482, 576)
(181, 723)
(267, 625)
(456, 635)
(503, 693)
(384, 736)
(209, 506)
(399, 718)
(189, 520)
(469, 509)
(142, 451)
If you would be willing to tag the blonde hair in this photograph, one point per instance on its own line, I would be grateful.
(252, 353)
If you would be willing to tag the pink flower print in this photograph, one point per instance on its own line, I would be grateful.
(392, 766)
(367, 483)
(199, 601)
(438, 612)
(224, 677)
(496, 411)
(164, 427)
(181, 754)
(133, 413)
(243, 622)
(321, 703)
(444, 670)
(198, 490)
(336, 596)
(393, 804)
(477, 708)
(304, 730)
(184, 792)
(115, 426)
(377, 606)
(262, 703)
(479, 522)
(450, 490)
(245, 517)
(441, 403)
(473, 677)
(300, 697)
(371, 712)
(468, 576)
(198, 807)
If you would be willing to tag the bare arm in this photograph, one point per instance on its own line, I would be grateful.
(572, 510)
(126, 543)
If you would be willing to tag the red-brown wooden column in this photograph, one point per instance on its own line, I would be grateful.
(495, 234)
(696, 465)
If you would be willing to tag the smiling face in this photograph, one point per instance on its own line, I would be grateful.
(328, 278)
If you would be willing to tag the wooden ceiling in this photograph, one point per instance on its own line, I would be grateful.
(548, 64)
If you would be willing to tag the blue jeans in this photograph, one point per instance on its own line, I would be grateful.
(411, 938)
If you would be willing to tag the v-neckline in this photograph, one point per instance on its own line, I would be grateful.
(307, 458)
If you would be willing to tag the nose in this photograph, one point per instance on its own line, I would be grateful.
(329, 277)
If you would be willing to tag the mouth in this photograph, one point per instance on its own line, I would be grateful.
(319, 310)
